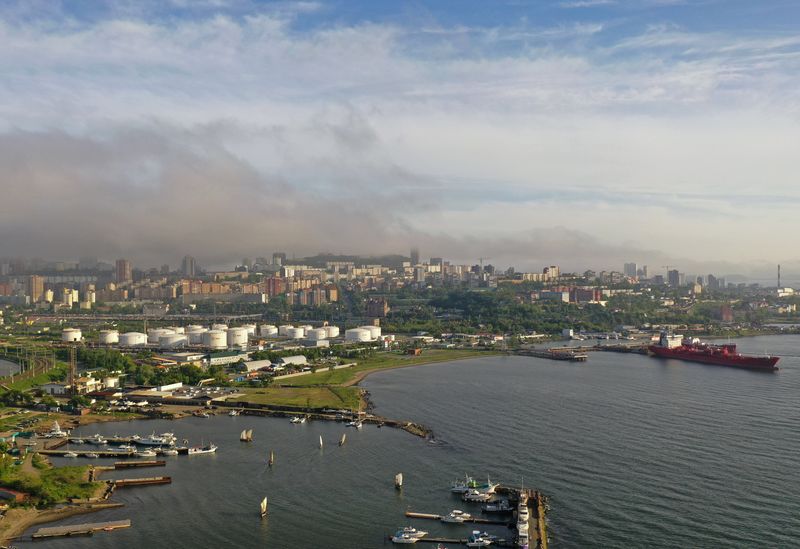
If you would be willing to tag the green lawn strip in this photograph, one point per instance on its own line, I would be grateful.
(378, 362)
(302, 397)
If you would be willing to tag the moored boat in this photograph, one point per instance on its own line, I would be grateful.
(91, 455)
(456, 516)
(209, 448)
(398, 480)
(170, 452)
(70, 455)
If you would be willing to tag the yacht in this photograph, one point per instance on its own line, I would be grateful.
(413, 532)
(476, 496)
(70, 455)
(477, 539)
(164, 439)
(522, 535)
(96, 439)
(126, 448)
(55, 432)
(456, 516)
(402, 538)
(207, 449)
(522, 512)
(170, 452)
(146, 453)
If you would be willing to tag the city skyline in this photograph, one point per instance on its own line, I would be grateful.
(578, 133)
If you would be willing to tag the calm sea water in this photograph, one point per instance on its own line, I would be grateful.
(633, 451)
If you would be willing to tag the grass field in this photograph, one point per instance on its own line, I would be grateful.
(379, 362)
(303, 397)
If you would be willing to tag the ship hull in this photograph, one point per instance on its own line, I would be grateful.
(761, 364)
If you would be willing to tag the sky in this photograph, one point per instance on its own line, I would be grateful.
(583, 133)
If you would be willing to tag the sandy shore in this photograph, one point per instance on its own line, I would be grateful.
(17, 521)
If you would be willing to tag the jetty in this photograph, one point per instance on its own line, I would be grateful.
(568, 354)
(124, 482)
(476, 520)
(80, 529)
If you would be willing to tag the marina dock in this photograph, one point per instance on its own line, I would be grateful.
(130, 464)
(476, 520)
(80, 529)
(124, 482)
(568, 354)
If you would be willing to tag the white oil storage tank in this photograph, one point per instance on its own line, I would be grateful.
(215, 339)
(223, 327)
(268, 330)
(108, 337)
(296, 333)
(195, 328)
(357, 334)
(155, 333)
(132, 339)
(237, 337)
(284, 329)
(196, 336)
(316, 334)
(171, 341)
(177, 329)
(332, 331)
(374, 331)
(71, 335)
(251, 329)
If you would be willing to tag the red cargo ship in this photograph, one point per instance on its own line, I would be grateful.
(671, 346)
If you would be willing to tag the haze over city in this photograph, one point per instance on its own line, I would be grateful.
(582, 133)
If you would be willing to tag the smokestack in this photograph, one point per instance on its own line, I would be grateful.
(779, 277)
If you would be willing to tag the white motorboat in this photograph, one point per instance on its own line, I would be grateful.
(91, 455)
(70, 455)
(96, 439)
(357, 423)
(456, 517)
(474, 496)
(403, 539)
(298, 419)
(207, 449)
(170, 452)
(126, 447)
(146, 453)
(522, 512)
(164, 439)
(501, 506)
(413, 532)
(76, 441)
(55, 432)
(234, 413)
(398, 480)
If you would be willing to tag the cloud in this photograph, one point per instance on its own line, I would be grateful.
(586, 4)
(239, 130)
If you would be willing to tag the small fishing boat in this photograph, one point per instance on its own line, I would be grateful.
(341, 440)
(501, 506)
(170, 452)
(91, 455)
(398, 480)
(97, 439)
(264, 507)
(476, 496)
(126, 448)
(357, 423)
(207, 449)
(476, 539)
(70, 455)
(246, 435)
(146, 453)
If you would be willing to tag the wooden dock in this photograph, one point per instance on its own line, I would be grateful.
(80, 529)
(131, 464)
(124, 482)
(476, 520)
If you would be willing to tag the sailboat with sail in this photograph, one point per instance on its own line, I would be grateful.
(271, 460)
(246, 435)
(320, 442)
(398, 480)
(344, 437)
(264, 507)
